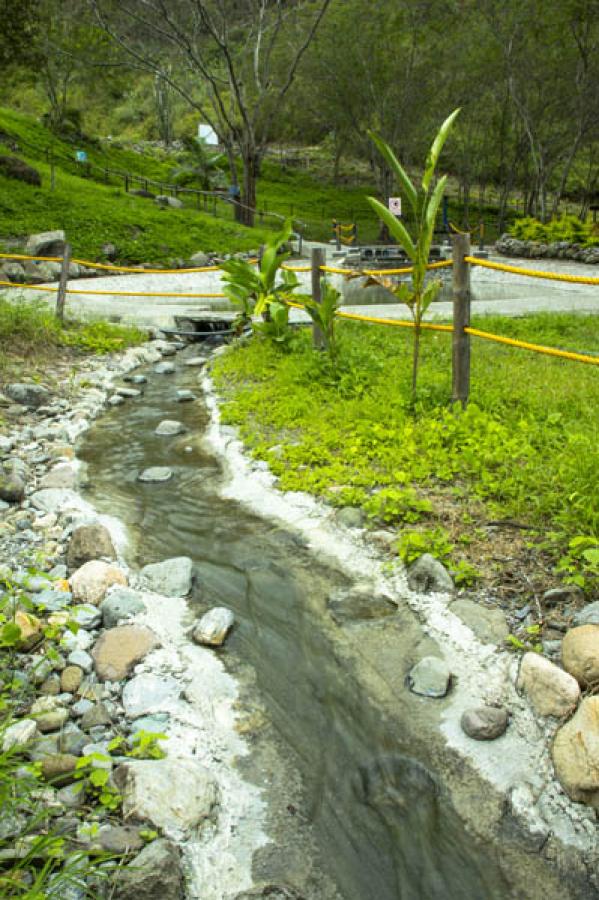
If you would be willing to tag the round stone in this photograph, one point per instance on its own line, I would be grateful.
(155, 475)
(430, 677)
(170, 427)
(484, 723)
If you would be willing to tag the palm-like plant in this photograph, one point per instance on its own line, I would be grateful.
(424, 202)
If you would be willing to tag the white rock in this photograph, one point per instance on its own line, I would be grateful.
(213, 627)
(172, 577)
(19, 733)
(148, 693)
(173, 794)
(551, 691)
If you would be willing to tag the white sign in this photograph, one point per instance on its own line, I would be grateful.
(395, 205)
(206, 133)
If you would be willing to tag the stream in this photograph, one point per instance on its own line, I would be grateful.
(349, 761)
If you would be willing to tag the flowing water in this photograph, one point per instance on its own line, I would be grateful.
(373, 798)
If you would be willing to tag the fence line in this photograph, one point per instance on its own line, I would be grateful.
(530, 273)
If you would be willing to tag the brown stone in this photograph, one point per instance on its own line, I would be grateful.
(551, 691)
(31, 629)
(580, 653)
(71, 679)
(120, 648)
(89, 542)
(90, 583)
(576, 753)
(59, 767)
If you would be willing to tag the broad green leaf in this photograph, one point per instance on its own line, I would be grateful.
(10, 634)
(404, 293)
(397, 168)
(396, 228)
(436, 147)
(431, 213)
(431, 291)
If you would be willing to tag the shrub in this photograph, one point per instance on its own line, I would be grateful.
(16, 168)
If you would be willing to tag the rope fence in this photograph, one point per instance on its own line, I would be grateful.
(461, 330)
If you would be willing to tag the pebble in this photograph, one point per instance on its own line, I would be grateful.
(196, 361)
(170, 427)
(71, 678)
(115, 400)
(155, 474)
(213, 628)
(165, 368)
(81, 707)
(430, 677)
(184, 395)
(484, 723)
(19, 734)
(81, 659)
(128, 393)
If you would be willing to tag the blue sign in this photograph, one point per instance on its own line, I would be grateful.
(81, 156)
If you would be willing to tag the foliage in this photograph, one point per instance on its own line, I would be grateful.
(397, 505)
(424, 203)
(515, 450)
(144, 745)
(528, 642)
(265, 289)
(579, 565)
(93, 778)
(565, 228)
(324, 316)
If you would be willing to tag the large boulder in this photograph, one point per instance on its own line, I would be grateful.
(576, 753)
(551, 691)
(89, 542)
(171, 794)
(46, 243)
(90, 583)
(120, 648)
(580, 654)
(12, 167)
(155, 874)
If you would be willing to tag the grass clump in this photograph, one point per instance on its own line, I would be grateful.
(526, 448)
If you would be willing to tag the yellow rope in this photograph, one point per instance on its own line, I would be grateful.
(427, 326)
(439, 265)
(111, 268)
(77, 292)
(531, 273)
(23, 256)
(536, 348)
(457, 230)
(297, 268)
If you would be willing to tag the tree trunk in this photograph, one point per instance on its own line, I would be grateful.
(251, 168)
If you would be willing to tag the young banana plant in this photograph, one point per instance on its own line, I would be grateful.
(424, 202)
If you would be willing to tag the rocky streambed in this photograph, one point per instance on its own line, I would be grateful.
(330, 732)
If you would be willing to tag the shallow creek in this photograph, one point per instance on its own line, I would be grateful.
(361, 796)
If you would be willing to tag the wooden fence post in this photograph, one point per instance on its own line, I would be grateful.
(461, 320)
(318, 260)
(62, 284)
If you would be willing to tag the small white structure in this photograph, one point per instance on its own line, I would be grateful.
(207, 134)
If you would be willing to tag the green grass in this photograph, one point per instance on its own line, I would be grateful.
(527, 447)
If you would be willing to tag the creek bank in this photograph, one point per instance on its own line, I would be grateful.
(504, 792)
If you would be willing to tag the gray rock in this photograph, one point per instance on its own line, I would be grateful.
(196, 361)
(430, 677)
(351, 517)
(428, 575)
(171, 578)
(13, 271)
(128, 393)
(19, 734)
(567, 593)
(155, 475)
(115, 400)
(165, 368)
(63, 476)
(72, 740)
(147, 693)
(167, 792)
(199, 260)
(523, 820)
(155, 874)
(484, 723)
(55, 499)
(184, 396)
(97, 715)
(120, 839)
(12, 487)
(489, 625)
(89, 542)
(213, 628)
(46, 243)
(45, 745)
(587, 616)
(121, 604)
(81, 659)
(170, 427)
(71, 796)
(81, 707)
(165, 201)
(51, 600)
(154, 724)
(29, 395)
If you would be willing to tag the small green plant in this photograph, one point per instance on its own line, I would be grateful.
(412, 544)
(397, 505)
(263, 291)
(528, 642)
(94, 781)
(143, 745)
(580, 564)
(324, 315)
(566, 228)
(424, 204)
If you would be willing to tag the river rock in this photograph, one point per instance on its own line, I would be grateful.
(171, 578)
(165, 368)
(155, 874)
(51, 686)
(12, 487)
(48, 714)
(82, 660)
(213, 627)
(91, 581)
(147, 693)
(580, 653)
(29, 395)
(170, 427)
(59, 767)
(428, 575)
(351, 516)
(551, 691)
(120, 648)
(97, 715)
(587, 616)
(89, 542)
(169, 793)
(128, 393)
(64, 476)
(31, 629)
(72, 740)
(184, 395)
(86, 616)
(120, 839)
(121, 603)
(115, 400)
(155, 474)
(196, 361)
(484, 723)
(576, 753)
(52, 500)
(567, 593)
(199, 259)
(489, 625)
(430, 677)
(19, 734)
